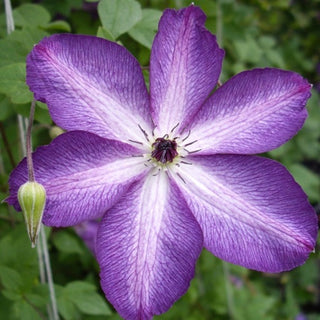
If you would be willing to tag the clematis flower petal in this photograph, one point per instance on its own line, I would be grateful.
(90, 84)
(185, 65)
(147, 247)
(253, 112)
(83, 175)
(251, 211)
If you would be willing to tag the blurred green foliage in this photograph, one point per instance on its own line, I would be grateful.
(254, 33)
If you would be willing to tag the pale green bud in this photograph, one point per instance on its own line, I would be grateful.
(32, 199)
(55, 131)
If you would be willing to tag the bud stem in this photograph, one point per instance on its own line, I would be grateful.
(29, 142)
(43, 248)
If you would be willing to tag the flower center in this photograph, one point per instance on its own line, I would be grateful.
(164, 150)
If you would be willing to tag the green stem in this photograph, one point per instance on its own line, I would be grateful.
(9, 16)
(29, 142)
(27, 150)
(22, 124)
(55, 315)
(41, 263)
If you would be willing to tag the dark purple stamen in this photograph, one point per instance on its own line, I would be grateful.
(164, 150)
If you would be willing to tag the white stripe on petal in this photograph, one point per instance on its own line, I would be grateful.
(90, 84)
(253, 112)
(147, 246)
(83, 175)
(251, 211)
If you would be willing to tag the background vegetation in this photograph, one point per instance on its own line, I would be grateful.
(254, 33)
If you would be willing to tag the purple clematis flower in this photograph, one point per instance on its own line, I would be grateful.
(170, 171)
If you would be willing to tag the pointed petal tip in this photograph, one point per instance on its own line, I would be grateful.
(147, 253)
(274, 227)
(185, 65)
(255, 111)
(95, 95)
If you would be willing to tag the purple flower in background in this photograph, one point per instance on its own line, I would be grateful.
(87, 230)
(301, 316)
(170, 171)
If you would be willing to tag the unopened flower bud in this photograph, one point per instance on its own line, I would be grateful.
(55, 131)
(32, 199)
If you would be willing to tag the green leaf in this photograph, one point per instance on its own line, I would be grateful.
(79, 286)
(312, 122)
(248, 50)
(39, 296)
(63, 7)
(119, 16)
(307, 275)
(85, 297)
(67, 242)
(41, 113)
(12, 83)
(16, 252)
(83, 23)
(10, 278)
(308, 180)
(11, 52)
(249, 306)
(58, 25)
(291, 307)
(37, 300)
(145, 30)
(23, 310)
(275, 58)
(267, 42)
(22, 109)
(65, 307)
(5, 307)
(42, 116)
(105, 34)
(42, 105)
(6, 109)
(80, 296)
(28, 37)
(91, 303)
(11, 295)
(30, 15)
